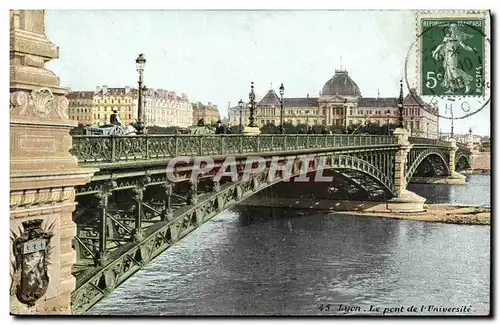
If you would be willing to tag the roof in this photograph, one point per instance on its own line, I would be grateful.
(341, 84)
(81, 94)
(270, 99)
(377, 102)
(300, 102)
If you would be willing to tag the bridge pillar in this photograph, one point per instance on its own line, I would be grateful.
(43, 174)
(454, 177)
(405, 201)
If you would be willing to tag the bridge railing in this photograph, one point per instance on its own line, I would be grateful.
(434, 142)
(462, 145)
(108, 149)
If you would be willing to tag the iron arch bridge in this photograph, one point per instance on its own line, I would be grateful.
(131, 211)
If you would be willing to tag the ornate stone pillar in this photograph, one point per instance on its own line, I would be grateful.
(43, 174)
(405, 201)
(455, 177)
(400, 160)
(452, 152)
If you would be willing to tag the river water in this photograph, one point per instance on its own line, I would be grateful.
(249, 261)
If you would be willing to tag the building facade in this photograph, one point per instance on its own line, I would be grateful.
(95, 107)
(165, 108)
(161, 107)
(237, 115)
(340, 103)
(209, 113)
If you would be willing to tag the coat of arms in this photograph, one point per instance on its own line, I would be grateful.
(31, 249)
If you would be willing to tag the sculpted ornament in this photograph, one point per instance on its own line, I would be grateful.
(40, 103)
(31, 248)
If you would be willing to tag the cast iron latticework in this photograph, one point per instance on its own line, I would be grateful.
(131, 212)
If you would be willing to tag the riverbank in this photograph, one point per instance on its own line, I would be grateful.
(432, 212)
(444, 213)
(476, 172)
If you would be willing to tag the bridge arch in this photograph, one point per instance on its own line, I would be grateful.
(421, 157)
(462, 161)
(162, 235)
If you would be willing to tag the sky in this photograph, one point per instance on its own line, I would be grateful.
(214, 55)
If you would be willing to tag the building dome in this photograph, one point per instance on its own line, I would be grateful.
(341, 84)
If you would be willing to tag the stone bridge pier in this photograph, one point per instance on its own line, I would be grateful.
(43, 174)
(405, 201)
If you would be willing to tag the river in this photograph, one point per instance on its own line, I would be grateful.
(256, 261)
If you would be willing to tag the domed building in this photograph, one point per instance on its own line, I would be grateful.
(340, 103)
(338, 97)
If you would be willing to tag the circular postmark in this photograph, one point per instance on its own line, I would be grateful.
(452, 72)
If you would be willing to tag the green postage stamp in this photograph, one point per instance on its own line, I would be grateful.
(453, 53)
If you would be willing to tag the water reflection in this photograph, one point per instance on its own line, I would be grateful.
(258, 261)
(475, 192)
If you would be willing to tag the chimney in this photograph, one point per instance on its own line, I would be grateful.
(104, 89)
(209, 103)
(97, 89)
(307, 95)
(127, 89)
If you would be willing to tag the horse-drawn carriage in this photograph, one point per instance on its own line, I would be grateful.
(110, 129)
(201, 130)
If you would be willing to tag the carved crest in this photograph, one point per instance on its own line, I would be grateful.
(31, 250)
(42, 100)
(39, 103)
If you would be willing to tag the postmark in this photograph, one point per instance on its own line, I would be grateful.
(451, 52)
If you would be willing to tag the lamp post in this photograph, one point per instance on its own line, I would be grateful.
(282, 92)
(240, 105)
(251, 96)
(452, 135)
(427, 130)
(400, 105)
(140, 63)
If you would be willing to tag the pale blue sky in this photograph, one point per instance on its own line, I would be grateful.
(214, 55)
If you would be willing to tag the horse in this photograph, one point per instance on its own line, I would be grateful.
(129, 130)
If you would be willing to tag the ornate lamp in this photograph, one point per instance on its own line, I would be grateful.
(140, 64)
(240, 105)
(282, 92)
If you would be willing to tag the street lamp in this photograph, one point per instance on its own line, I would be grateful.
(282, 92)
(400, 104)
(451, 134)
(140, 64)
(240, 105)
(251, 96)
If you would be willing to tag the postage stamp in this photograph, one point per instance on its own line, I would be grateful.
(452, 53)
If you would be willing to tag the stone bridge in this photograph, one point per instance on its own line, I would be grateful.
(130, 211)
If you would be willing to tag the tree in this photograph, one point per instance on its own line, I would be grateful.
(269, 128)
(289, 128)
(234, 129)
